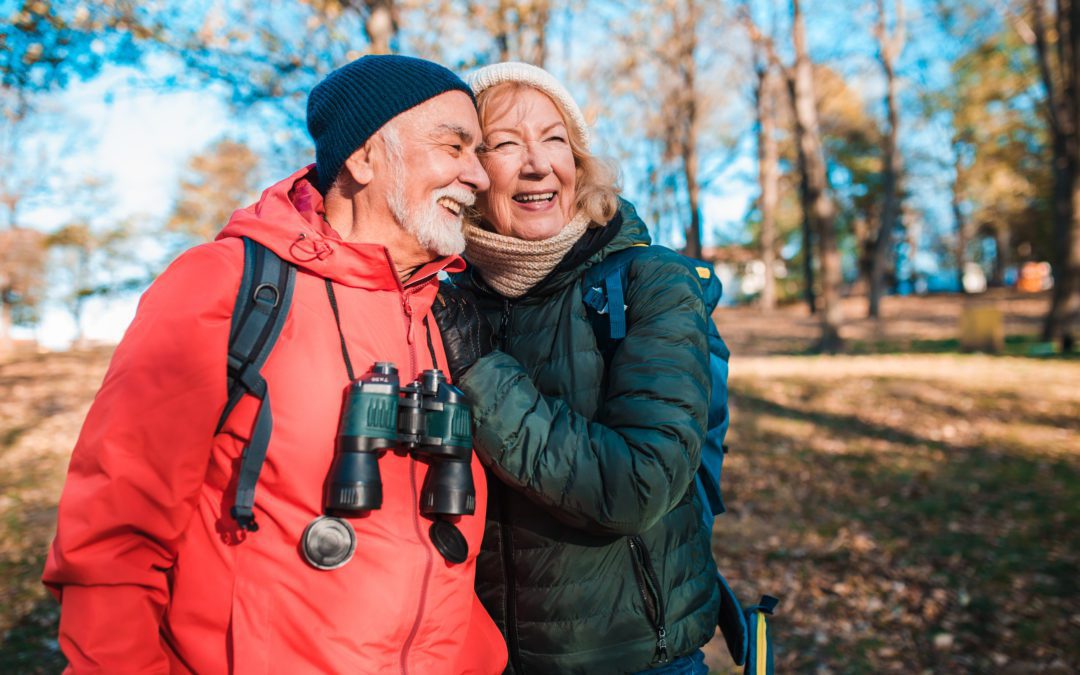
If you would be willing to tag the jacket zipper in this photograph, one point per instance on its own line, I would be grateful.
(406, 308)
(649, 587)
(510, 607)
(427, 573)
(504, 325)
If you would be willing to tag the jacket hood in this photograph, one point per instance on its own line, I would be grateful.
(288, 219)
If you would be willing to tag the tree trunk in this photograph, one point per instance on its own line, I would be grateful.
(381, 26)
(502, 31)
(768, 178)
(816, 198)
(1062, 110)
(960, 223)
(6, 343)
(808, 239)
(1001, 255)
(686, 65)
(542, 14)
(865, 230)
(889, 51)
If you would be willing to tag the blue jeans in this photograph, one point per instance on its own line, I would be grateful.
(691, 664)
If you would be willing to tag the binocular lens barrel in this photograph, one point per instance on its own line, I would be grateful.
(448, 489)
(368, 428)
(447, 440)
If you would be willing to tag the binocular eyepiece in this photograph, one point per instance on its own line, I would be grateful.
(429, 418)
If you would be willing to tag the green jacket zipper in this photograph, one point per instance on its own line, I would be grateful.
(504, 326)
(649, 587)
(506, 542)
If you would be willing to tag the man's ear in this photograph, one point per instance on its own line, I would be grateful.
(360, 163)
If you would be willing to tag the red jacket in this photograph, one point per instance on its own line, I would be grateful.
(152, 572)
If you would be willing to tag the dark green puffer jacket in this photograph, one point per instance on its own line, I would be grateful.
(595, 558)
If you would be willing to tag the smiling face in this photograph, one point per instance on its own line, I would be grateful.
(527, 156)
(430, 172)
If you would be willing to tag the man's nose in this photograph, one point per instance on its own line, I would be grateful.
(474, 175)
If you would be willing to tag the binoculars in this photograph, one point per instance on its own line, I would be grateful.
(428, 418)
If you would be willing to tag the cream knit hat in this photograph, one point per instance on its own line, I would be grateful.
(525, 73)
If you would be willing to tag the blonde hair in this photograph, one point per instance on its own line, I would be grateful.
(596, 189)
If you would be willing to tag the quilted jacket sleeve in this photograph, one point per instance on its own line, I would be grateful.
(138, 466)
(622, 471)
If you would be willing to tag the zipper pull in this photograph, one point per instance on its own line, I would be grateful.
(407, 308)
(661, 646)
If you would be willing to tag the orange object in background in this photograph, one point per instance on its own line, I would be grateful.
(1034, 277)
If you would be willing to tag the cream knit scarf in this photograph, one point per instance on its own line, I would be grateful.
(512, 266)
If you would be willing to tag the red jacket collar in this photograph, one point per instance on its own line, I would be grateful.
(288, 220)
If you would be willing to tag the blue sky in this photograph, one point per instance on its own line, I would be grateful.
(138, 140)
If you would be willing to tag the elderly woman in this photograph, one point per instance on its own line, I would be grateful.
(596, 557)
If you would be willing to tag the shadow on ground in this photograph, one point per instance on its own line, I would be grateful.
(905, 535)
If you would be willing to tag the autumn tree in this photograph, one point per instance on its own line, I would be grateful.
(767, 97)
(655, 92)
(1057, 47)
(215, 183)
(25, 171)
(44, 44)
(517, 30)
(996, 148)
(22, 279)
(890, 42)
(88, 261)
(819, 208)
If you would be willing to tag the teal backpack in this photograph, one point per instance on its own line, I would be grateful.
(604, 294)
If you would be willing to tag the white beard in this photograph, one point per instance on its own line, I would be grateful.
(435, 229)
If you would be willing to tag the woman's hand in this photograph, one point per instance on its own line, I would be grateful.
(466, 334)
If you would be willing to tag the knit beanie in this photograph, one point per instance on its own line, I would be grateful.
(357, 99)
(525, 73)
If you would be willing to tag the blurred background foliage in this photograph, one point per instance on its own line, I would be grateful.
(850, 148)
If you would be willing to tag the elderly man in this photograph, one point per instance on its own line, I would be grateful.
(158, 561)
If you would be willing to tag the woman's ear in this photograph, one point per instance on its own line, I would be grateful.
(359, 164)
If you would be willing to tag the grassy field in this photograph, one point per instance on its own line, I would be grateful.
(916, 512)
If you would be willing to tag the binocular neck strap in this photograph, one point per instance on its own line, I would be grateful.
(341, 334)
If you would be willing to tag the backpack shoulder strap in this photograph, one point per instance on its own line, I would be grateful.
(604, 293)
(605, 288)
(262, 304)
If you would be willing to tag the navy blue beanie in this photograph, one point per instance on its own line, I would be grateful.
(357, 99)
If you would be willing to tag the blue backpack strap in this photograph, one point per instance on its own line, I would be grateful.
(746, 630)
(712, 462)
(262, 303)
(605, 292)
(760, 655)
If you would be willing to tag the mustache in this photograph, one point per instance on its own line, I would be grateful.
(459, 195)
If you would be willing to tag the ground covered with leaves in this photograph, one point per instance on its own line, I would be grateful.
(43, 399)
(916, 511)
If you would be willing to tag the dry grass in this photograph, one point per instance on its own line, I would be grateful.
(43, 399)
(907, 324)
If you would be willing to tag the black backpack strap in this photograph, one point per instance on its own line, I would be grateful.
(261, 307)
